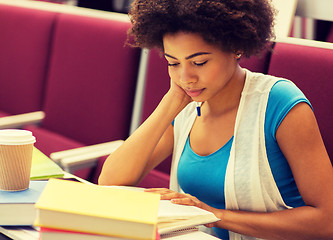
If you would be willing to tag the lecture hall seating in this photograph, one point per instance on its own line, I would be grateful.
(73, 65)
(311, 69)
(91, 84)
(26, 36)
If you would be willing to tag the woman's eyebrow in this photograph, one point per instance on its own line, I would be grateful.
(167, 55)
(188, 57)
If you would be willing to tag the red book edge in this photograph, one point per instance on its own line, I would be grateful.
(45, 229)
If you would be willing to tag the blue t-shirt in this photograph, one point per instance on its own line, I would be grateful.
(204, 176)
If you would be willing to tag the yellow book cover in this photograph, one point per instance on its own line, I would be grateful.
(96, 209)
(43, 167)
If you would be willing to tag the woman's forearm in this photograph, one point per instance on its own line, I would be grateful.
(126, 165)
(297, 223)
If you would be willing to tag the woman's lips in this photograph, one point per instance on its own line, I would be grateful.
(193, 92)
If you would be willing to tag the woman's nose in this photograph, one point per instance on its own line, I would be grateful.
(187, 76)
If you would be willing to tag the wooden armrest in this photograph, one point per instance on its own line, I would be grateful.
(19, 120)
(83, 157)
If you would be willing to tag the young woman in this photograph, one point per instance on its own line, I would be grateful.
(254, 157)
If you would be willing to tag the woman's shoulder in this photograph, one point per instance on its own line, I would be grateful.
(283, 96)
(281, 87)
(286, 90)
(258, 82)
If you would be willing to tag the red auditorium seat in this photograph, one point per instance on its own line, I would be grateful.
(311, 69)
(27, 33)
(91, 84)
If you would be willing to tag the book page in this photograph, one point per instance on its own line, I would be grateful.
(168, 210)
(172, 217)
(190, 234)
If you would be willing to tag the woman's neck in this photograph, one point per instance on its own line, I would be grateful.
(228, 99)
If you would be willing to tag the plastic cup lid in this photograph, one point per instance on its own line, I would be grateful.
(16, 137)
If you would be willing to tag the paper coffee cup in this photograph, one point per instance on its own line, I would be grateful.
(16, 148)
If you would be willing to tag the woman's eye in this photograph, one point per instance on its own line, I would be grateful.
(173, 64)
(200, 63)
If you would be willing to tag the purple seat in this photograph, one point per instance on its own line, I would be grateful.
(311, 69)
(91, 85)
(258, 63)
(156, 179)
(24, 52)
(157, 84)
(4, 114)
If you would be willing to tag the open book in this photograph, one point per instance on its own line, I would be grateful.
(188, 234)
(174, 217)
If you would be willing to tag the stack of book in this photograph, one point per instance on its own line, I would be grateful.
(73, 210)
(180, 222)
(69, 210)
(18, 208)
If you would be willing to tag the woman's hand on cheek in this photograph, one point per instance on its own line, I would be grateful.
(179, 93)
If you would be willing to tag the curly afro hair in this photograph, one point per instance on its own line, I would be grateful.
(244, 26)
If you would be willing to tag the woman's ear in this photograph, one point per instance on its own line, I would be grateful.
(238, 55)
